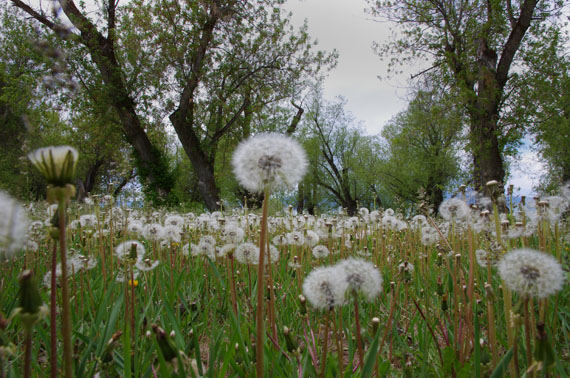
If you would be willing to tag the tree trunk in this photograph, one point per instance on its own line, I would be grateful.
(350, 205)
(86, 186)
(123, 183)
(434, 193)
(487, 158)
(300, 197)
(203, 168)
(102, 52)
(153, 167)
(484, 114)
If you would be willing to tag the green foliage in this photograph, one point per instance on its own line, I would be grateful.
(21, 72)
(342, 160)
(473, 47)
(544, 108)
(421, 147)
(163, 177)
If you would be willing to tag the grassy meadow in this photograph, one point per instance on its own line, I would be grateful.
(182, 302)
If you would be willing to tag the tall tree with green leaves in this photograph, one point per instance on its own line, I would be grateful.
(23, 104)
(246, 58)
(473, 45)
(421, 147)
(344, 158)
(99, 42)
(545, 103)
(210, 68)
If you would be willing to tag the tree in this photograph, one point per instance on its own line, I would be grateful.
(22, 70)
(421, 147)
(545, 103)
(40, 105)
(211, 66)
(246, 59)
(344, 157)
(473, 45)
(102, 51)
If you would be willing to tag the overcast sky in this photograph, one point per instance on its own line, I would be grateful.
(345, 26)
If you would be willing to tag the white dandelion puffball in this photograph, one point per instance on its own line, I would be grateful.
(247, 253)
(531, 273)
(311, 238)
(454, 209)
(362, 275)
(320, 251)
(269, 160)
(13, 226)
(325, 287)
(130, 250)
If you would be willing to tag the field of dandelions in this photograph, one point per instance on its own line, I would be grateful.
(473, 292)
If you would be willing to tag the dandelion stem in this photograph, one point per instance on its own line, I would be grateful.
(230, 266)
(358, 336)
(340, 349)
(527, 334)
(261, 288)
(511, 331)
(28, 352)
(66, 313)
(492, 331)
(272, 324)
(53, 313)
(325, 346)
(394, 290)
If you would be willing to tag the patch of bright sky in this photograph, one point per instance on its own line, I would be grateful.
(526, 170)
(345, 26)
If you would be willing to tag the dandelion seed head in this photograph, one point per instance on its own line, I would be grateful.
(225, 249)
(174, 220)
(269, 160)
(146, 265)
(363, 212)
(296, 238)
(280, 240)
(204, 249)
(531, 273)
(153, 231)
(320, 251)
(247, 253)
(14, 226)
(454, 209)
(325, 287)
(135, 227)
(208, 239)
(232, 234)
(311, 238)
(130, 250)
(362, 275)
(419, 221)
(173, 233)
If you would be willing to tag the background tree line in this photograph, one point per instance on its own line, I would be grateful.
(160, 92)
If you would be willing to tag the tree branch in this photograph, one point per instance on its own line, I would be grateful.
(295, 120)
(229, 124)
(32, 12)
(514, 41)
